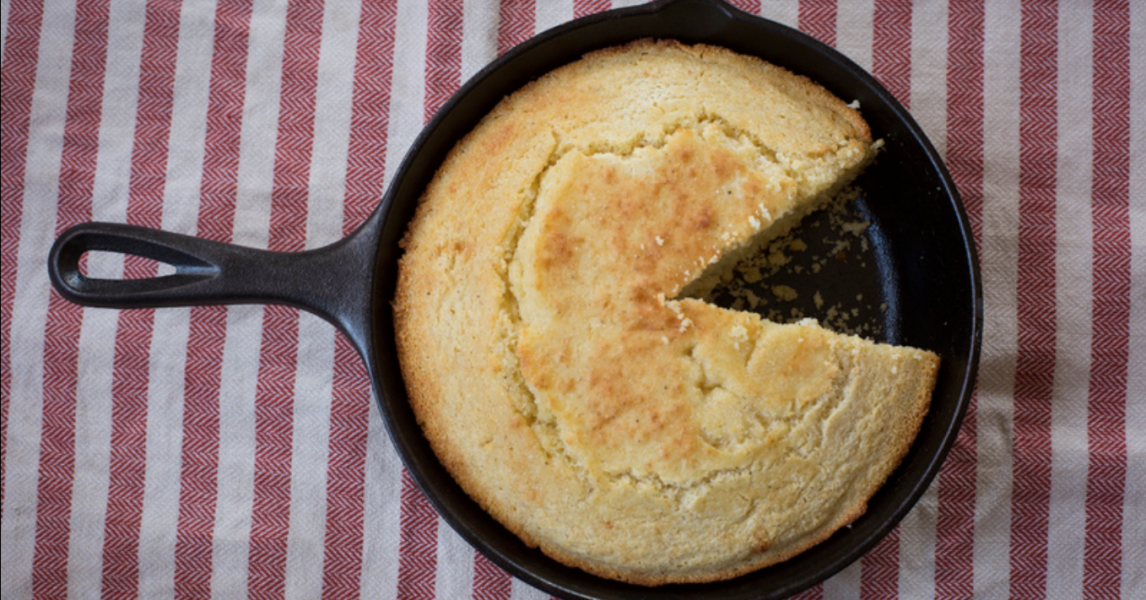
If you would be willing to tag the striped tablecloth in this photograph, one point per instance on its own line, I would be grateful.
(228, 451)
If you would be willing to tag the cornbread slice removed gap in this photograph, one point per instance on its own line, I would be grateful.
(561, 372)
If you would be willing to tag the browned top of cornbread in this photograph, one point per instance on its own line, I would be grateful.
(559, 378)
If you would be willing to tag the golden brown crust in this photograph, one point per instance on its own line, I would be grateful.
(633, 435)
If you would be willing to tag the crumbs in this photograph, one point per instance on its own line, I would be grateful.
(833, 238)
(785, 293)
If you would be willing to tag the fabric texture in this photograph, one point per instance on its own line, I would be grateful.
(231, 451)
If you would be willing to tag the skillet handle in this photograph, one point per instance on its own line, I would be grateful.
(334, 282)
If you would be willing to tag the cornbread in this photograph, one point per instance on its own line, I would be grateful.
(571, 383)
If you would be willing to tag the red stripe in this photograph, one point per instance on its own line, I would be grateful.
(490, 581)
(955, 518)
(274, 412)
(1035, 362)
(200, 453)
(879, 569)
(17, 81)
(582, 8)
(57, 445)
(351, 396)
(219, 183)
(443, 53)
(965, 105)
(515, 23)
(815, 592)
(128, 449)
(295, 139)
(818, 19)
(748, 6)
(134, 327)
(346, 475)
(370, 118)
(274, 396)
(1106, 413)
(891, 47)
(199, 464)
(417, 545)
(62, 332)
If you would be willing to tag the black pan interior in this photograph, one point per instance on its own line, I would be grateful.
(923, 267)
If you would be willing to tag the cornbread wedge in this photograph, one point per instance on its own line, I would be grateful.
(566, 382)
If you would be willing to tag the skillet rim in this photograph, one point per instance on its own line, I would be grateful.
(708, 19)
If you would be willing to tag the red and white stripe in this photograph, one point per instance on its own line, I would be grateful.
(136, 361)
(219, 76)
(18, 73)
(955, 518)
(1134, 495)
(306, 550)
(343, 539)
(229, 451)
(1036, 310)
(190, 73)
(73, 187)
(94, 366)
(280, 348)
(239, 412)
(1108, 395)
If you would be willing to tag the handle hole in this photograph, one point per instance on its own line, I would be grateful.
(100, 264)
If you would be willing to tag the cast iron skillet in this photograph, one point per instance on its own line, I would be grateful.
(923, 266)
